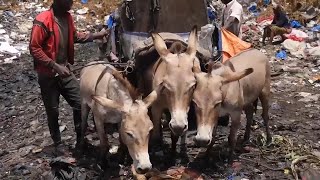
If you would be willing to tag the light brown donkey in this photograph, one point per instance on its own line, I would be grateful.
(114, 100)
(228, 89)
(175, 70)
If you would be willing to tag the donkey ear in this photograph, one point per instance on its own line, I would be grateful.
(235, 76)
(108, 103)
(160, 45)
(153, 95)
(192, 42)
(150, 98)
(196, 66)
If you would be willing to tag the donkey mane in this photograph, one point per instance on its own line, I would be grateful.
(177, 48)
(134, 92)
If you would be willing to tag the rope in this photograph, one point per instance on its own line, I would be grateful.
(110, 63)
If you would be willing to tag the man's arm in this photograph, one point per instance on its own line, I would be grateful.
(38, 35)
(89, 37)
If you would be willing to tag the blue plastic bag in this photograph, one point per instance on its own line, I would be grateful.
(84, 1)
(295, 24)
(253, 7)
(211, 14)
(281, 55)
(110, 21)
(266, 2)
(316, 28)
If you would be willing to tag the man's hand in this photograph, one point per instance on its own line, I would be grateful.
(63, 71)
(103, 33)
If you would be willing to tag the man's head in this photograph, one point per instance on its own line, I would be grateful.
(225, 1)
(63, 5)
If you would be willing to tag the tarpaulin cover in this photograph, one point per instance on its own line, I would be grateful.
(231, 45)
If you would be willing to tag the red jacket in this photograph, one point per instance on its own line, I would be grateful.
(44, 41)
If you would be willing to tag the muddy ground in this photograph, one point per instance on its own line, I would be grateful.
(25, 140)
(26, 150)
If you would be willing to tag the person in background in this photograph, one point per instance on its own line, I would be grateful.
(52, 48)
(279, 26)
(232, 16)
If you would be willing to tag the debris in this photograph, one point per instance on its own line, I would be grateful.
(36, 150)
(21, 170)
(286, 171)
(84, 1)
(64, 169)
(62, 128)
(302, 158)
(308, 97)
(25, 150)
(82, 11)
(25, 27)
(113, 149)
(5, 47)
(10, 60)
(295, 48)
(295, 24)
(115, 135)
(281, 55)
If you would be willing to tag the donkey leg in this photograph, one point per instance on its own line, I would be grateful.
(264, 98)
(249, 115)
(232, 139)
(156, 136)
(104, 145)
(84, 117)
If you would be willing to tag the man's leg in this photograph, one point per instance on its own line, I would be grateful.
(266, 33)
(70, 90)
(273, 30)
(50, 95)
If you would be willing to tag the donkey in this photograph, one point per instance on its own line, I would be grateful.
(229, 88)
(175, 71)
(112, 99)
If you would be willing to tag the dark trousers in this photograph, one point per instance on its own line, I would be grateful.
(51, 89)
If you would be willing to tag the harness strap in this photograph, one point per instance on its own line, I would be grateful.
(100, 77)
(129, 13)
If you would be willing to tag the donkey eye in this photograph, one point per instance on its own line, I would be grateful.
(129, 134)
(167, 86)
(217, 104)
(195, 103)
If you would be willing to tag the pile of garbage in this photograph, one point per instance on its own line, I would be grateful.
(300, 51)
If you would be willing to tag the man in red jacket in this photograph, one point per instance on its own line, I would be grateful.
(52, 47)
